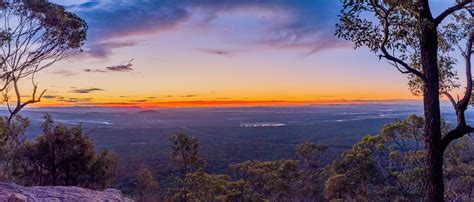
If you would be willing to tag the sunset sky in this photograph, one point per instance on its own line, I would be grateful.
(147, 52)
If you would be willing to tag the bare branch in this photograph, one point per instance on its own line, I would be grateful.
(451, 99)
(457, 133)
(461, 106)
(468, 93)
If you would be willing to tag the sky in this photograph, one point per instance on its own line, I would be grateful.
(205, 52)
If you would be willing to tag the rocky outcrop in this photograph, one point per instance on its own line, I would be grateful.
(15, 193)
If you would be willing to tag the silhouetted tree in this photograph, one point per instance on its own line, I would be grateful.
(408, 36)
(185, 157)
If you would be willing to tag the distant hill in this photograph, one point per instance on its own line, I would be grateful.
(148, 112)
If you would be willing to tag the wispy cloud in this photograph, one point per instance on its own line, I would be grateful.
(221, 52)
(86, 90)
(121, 68)
(67, 99)
(50, 96)
(95, 70)
(102, 50)
(188, 96)
(115, 19)
(74, 100)
(64, 73)
(139, 101)
(115, 68)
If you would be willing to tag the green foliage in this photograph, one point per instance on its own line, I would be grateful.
(390, 166)
(185, 153)
(12, 140)
(276, 180)
(312, 154)
(102, 170)
(459, 171)
(64, 156)
(392, 28)
(207, 187)
(255, 180)
(185, 157)
(34, 35)
(59, 27)
(146, 185)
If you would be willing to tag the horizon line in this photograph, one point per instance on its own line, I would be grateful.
(226, 103)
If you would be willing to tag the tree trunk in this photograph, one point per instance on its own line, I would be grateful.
(434, 153)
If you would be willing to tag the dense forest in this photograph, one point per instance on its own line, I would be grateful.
(388, 165)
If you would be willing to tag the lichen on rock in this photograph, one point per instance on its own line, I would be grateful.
(16, 193)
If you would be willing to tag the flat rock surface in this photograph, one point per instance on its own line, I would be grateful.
(13, 192)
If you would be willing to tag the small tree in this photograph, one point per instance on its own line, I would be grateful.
(65, 156)
(207, 187)
(311, 154)
(11, 151)
(146, 185)
(185, 157)
(276, 180)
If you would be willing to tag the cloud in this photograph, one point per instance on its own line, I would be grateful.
(305, 25)
(121, 68)
(49, 96)
(95, 70)
(64, 73)
(189, 96)
(115, 68)
(74, 100)
(102, 50)
(221, 52)
(312, 47)
(139, 100)
(89, 5)
(122, 18)
(67, 99)
(86, 90)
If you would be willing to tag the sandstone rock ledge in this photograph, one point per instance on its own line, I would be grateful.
(10, 192)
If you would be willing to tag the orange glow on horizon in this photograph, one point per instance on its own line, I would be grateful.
(228, 103)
